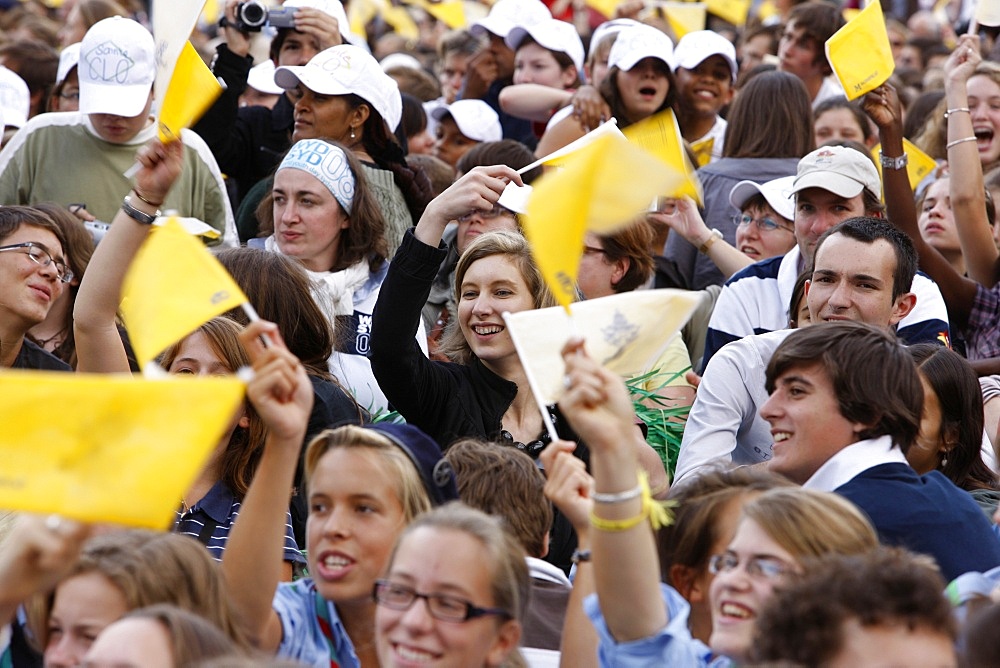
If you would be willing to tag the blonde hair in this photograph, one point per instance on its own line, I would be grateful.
(514, 247)
(810, 524)
(409, 485)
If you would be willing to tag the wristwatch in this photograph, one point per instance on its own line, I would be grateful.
(898, 162)
(137, 215)
(716, 234)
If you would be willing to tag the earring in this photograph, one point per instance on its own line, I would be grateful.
(352, 133)
(944, 461)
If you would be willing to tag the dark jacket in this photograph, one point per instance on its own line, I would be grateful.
(247, 142)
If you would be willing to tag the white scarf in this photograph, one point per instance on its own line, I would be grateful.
(332, 290)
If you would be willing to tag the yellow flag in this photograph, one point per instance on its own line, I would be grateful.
(988, 12)
(192, 90)
(661, 136)
(860, 53)
(734, 11)
(399, 19)
(449, 12)
(703, 150)
(602, 187)
(918, 163)
(684, 17)
(626, 332)
(360, 13)
(173, 286)
(117, 449)
(605, 7)
(210, 12)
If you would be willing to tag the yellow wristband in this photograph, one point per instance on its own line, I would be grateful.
(602, 524)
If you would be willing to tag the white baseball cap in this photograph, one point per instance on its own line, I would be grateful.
(117, 67)
(261, 77)
(612, 27)
(506, 15)
(344, 70)
(400, 60)
(68, 59)
(15, 100)
(696, 47)
(840, 170)
(778, 194)
(475, 119)
(637, 42)
(552, 34)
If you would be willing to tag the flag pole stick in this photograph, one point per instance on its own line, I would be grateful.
(532, 383)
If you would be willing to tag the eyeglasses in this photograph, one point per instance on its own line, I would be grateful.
(765, 224)
(488, 214)
(440, 606)
(769, 568)
(40, 255)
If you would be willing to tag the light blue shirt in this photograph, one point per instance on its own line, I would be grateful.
(302, 638)
(671, 646)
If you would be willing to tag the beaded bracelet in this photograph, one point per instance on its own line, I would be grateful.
(957, 110)
(955, 143)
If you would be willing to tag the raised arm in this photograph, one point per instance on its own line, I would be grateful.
(968, 198)
(38, 552)
(626, 572)
(98, 343)
(477, 190)
(252, 562)
(568, 486)
(533, 101)
(882, 105)
(683, 218)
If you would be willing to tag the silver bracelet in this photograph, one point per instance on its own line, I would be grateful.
(957, 110)
(955, 143)
(617, 497)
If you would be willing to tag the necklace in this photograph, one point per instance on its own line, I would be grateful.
(60, 335)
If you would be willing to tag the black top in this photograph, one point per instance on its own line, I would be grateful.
(32, 356)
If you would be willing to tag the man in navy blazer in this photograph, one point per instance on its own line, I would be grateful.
(844, 407)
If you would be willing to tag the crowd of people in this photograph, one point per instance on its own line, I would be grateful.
(391, 492)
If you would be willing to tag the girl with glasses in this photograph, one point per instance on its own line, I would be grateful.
(455, 593)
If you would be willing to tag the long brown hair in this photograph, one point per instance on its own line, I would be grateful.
(242, 454)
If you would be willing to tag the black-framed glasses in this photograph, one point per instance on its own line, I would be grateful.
(40, 255)
(440, 606)
(765, 224)
(769, 568)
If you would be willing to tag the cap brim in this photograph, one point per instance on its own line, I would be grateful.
(498, 27)
(838, 184)
(125, 101)
(629, 62)
(742, 192)
(693, 61)
(289, 77)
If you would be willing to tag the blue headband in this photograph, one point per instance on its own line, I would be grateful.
(328, 164)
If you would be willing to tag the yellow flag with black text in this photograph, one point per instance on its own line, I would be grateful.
(108, 447)
(860, 53)
(172, 287)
